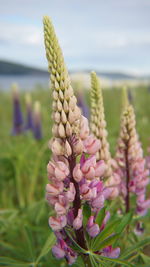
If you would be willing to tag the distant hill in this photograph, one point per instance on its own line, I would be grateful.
(9, 68)
(116, 75)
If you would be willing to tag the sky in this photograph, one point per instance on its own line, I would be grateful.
(105, 35)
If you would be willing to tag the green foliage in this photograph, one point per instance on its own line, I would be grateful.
(100, 217)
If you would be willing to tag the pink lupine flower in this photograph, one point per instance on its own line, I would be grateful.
(56, 146)
(84, 133)
(74, 175)
(86, 192)
(88, 168)
(139, 229)
(70, 194)
(77, 173)
(51, 199)
(55, 189)
(142, 205)
(58, 252)
(61, 171)
(97, 184)
(71, 256)
(50, 169)
(77, 223)
(98, 202)
(78, 146)
(61, 206)
(107, 192)
(131, 164)
(57, 223)
(92, 228)
(91, 145)
(100, 168)
(111, 252)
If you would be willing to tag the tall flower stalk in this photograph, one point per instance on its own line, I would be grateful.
(17, 113)
(73, 172)
(29, 119)
(98, 128)
(131, 163)
(37, 121)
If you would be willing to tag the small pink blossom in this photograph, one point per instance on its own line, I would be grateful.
(98, 202)
(77, 173)
(111, 252)
(61, 171)
(57, 223)
(58, 252)
(91, 145)
(70, 194)
(84, 132)
(92, 228)
(100, 168)
(77, 223)
(55, 189)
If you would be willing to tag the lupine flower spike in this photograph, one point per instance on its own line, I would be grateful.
(37, 123)
(72, 176)
(17, 113)
(29, 120)
(98, 128)
(131, 163)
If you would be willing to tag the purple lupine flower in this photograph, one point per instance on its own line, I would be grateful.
(37, 123)
(29, 120)
(139, 229)
(111, 252)
(92, 228)
(17, 113)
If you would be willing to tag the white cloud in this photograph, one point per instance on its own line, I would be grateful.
(21, 34)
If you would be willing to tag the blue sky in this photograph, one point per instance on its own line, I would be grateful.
(94, 34)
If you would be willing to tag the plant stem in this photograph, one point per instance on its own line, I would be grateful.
(127, 199)
(77, 202)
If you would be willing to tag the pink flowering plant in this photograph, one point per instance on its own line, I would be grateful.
(85, 231)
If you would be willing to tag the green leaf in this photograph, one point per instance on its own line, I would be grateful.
(114, 260)
(108, 230)
(12, 262)
(47, 246)
(93, 261)
(124, 222)
(100, 217)
(29, 246)
(145, 258)
(86, 213)
(135, 247)
(107, 242)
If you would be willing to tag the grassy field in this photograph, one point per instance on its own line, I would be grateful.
(25, 236)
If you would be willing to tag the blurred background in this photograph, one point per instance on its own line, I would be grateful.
(110, 37)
